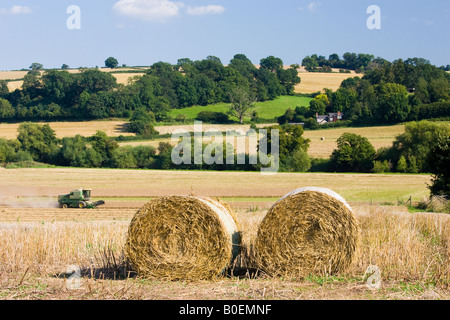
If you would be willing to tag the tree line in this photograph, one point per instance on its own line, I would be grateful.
(350, 61)
(93, 94)
(387, 93)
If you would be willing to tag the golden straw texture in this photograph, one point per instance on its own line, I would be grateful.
(309, 232)
(182, 237)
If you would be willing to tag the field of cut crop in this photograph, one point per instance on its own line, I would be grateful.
(141, 184)
(322, 144)
(40, 242)
(71, 129)
(122, 78)
(316, 81)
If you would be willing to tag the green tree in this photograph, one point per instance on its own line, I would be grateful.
(439, 162)
(35, 66)
(297, 161)
(76, 153)
(288, 79)
(354, 153)
(123, 158)
(7, 151)
(272, 64)
(317, 106)
(343, 100)
(290, 139)
(393, 104)
(381, 166)
(104, 146)
(141, 123)
(93, 81)
(4, 90)
(418, 141)
(6, 110)
(38, 140)
(402, 165)
(242, 103)
(57, 84)
(111, 62)
(310, 63)
(412, 167)
(164, 157)
(145, 156)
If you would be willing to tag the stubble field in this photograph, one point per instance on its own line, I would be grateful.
(40, 242)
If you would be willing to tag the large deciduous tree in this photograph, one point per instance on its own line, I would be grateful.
(354, 153)
(111, 62)
(242, 103)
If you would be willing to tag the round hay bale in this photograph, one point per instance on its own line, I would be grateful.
(308, 231)
(182, 237)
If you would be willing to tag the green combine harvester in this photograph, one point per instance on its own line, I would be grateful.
(78, 198)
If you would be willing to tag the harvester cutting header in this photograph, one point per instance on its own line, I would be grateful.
(78, 198)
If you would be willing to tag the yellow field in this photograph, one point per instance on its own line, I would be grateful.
(11, 75)
(38, 244)
(122, 78)
(71, 129)
(133, 184)
(378, 137)
(316, 81)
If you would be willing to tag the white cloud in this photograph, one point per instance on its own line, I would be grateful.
(211, 9)
(148, 9)
(313, 6)
(16, 10)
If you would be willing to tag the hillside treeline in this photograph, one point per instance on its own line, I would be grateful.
(388, 92)
(349, 61)
(93, 94)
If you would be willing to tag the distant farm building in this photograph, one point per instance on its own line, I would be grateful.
(330, 118)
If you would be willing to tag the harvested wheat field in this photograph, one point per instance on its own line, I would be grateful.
(40, 253)
(41, 244)
(71, 129)
(12, 75)
(144, 184)
(316, 81)
(323, 142)
(122, 78)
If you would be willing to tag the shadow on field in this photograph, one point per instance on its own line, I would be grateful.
(121, 272)
(125, 271)
(122, 128)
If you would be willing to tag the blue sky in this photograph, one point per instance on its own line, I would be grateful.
(142, 32)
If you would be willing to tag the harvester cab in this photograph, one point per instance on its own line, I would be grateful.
(78, 198)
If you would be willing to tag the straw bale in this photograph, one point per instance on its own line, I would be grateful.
(308, 231)
(182, 238)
